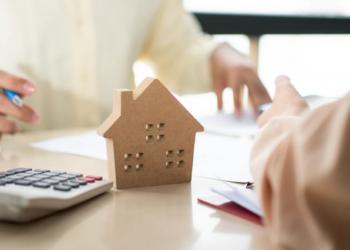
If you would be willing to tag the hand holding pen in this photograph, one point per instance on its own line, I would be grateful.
(13, 89)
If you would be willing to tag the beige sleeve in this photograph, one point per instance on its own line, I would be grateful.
(301, 167)
(178, 51)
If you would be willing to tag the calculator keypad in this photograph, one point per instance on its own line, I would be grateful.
(44, 179)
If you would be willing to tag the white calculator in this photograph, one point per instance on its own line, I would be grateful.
(27, 194)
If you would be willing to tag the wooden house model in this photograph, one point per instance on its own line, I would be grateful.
(150, 137)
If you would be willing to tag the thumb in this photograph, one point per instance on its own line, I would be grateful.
(285, 89)
(282, 79)
(283, 86)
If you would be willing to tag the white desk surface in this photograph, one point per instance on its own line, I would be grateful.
(162, 217)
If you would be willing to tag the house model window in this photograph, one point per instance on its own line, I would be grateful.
(161, 126)
(149, 127)
(144, 147)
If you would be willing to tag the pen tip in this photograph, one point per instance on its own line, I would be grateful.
(16, 100)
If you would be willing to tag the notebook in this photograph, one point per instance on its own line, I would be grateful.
(231, 207)
(242, 202)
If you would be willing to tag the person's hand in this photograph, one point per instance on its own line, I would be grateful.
(234, 70)
(287, 102)
(8, 108)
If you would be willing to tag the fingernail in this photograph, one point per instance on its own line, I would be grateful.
(35, 118)
(16, 129)
(28, 88)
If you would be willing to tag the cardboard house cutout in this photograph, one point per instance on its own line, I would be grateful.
(150, 137)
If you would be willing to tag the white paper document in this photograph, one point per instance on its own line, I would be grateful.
(222, 156)
(246, 198)
(204, 108)
(227, 124)
(88, 144)
(226, 157)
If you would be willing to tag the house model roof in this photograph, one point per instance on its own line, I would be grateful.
(150, 99)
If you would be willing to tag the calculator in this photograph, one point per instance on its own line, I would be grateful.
(27, 194)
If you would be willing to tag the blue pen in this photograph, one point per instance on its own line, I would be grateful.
(14, 97)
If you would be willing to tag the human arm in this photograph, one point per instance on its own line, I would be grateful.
(187, 61)
(299, 163)
(7, 108)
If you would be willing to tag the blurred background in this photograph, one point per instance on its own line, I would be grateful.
(316, 63)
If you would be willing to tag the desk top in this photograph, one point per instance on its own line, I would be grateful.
(162, 217)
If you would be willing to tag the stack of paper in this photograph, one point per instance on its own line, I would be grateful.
(238, 201)
(246, 198)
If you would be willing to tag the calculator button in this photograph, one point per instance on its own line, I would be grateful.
(97, 178)
(41, 184)
(90, 180)
(58, 178)
(62, 188)
(32, 179)
(58, 172)
(50, 174)
(71, 184)
(2, 176)
(41, 176)
(2, 183)
(22, 169)
(80, 182)
(68, 176)
(15, 177)
(50, 181)
(23, 182)
(11, 172)
(8, 181)
(41, 170)
(24, 174)
(17, 171)
(76, 174)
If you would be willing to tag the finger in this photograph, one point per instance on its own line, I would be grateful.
(236, 83)
(237, 102)
(7, 126)
(282, 79)
(17, 84)
(286, 90)
(24, 113)
(283, 86)
(219, 89)
(257, 92)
